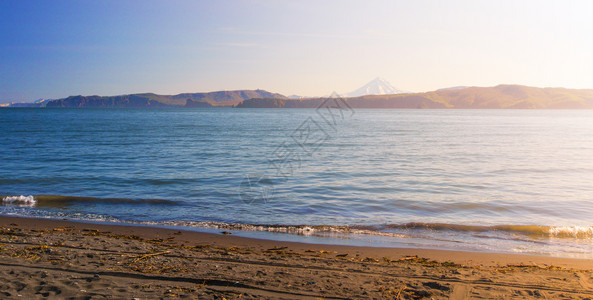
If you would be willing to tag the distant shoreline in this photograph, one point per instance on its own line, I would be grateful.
(498, 97)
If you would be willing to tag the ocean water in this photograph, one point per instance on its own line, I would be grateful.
(517, 181)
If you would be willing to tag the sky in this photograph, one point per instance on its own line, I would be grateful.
(54, 49)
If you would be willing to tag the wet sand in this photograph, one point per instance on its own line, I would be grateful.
(47, 258)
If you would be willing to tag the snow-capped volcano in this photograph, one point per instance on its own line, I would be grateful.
(378, 86)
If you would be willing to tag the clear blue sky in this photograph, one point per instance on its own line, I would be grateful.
(52, 49)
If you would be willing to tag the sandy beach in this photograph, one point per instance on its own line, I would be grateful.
(47, 258)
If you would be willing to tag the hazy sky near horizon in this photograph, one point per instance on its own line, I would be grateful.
(53, 49)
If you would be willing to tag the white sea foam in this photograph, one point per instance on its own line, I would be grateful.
(19, 200)
(579, 232)
(312, 230)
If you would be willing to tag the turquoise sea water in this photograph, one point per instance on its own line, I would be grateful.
(516, 181)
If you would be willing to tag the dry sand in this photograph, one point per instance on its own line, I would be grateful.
(59, 259)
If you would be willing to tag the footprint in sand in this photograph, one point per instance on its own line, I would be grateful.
(460, 291)
(584, 281)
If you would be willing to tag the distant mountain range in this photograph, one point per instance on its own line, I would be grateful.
(220, 98)
(498, 97)
(36, 103)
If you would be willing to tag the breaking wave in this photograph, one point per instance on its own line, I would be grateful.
(394, 230)
(59, 201)
(19, 200)
(577, 232)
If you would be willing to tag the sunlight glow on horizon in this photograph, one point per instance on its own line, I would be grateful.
(54, 50)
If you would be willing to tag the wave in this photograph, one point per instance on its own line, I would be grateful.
(307, 230)
(407, 230)
(580, 232)
(60, 201)
(577, 232)
(19, 200)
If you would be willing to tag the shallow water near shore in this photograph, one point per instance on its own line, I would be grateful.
(516, 181)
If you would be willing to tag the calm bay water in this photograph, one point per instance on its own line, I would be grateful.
(486, 180)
